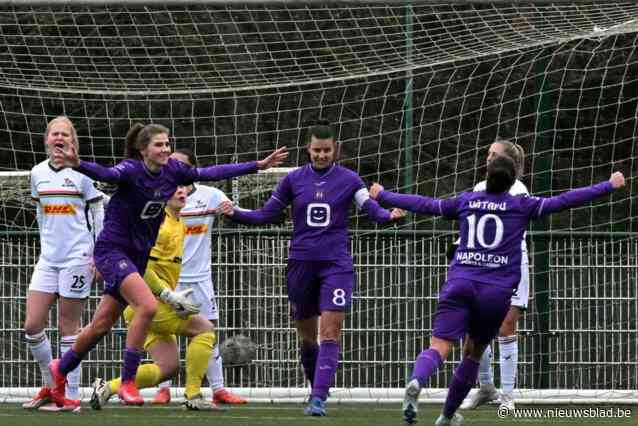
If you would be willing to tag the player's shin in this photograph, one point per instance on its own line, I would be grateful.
(486, 374)
(426, 365)
(462, 381)
(508, 348)
(197, 357)
(326, 368)
(308, 354)
(40, 347)
(73, 378)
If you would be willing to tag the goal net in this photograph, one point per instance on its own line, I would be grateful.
(417, 92)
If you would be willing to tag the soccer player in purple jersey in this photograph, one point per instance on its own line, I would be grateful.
(320, 275)
(483, 274)
(145, 180)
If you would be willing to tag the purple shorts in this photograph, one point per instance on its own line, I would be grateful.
(470, 307)
(116, 263)
(317, 286)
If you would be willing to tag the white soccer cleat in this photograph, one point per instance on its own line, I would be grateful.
(485, 394)
(507, 402)
(456, 420)
(198, 403)
(411, 401)
(101, 394)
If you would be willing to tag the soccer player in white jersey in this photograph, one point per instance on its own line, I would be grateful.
(507, 338)
(199, 215)
(65, 270)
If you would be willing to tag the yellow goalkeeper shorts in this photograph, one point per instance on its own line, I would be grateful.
(165, 325)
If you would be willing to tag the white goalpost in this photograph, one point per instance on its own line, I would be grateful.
(417, 91)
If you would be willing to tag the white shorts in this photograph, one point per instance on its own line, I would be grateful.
(204, 293)
(73, 282)
(520, 298)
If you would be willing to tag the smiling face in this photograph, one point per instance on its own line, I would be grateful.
(321, 152)
(156, 153)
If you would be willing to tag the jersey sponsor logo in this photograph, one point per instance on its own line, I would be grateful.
(152, 209)
(196, 229)
(68, 183)
(481, 259)
(318, 215)
(59, 209)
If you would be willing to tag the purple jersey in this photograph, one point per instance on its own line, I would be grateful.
(136, 210)
(320, 205)
(492, 227)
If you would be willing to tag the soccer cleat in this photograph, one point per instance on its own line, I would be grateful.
(101, 394)
(43, 397)
(69, 405)
(316, 407)
(411, 401)
(59, 383)
(485, 394)
(129, 394)
(198, 403)
(224, 396)
(162, 397)
(507, 403)
(456, 420)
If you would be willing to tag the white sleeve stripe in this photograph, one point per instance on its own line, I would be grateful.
(441, 207)
(361, 196)
(540, 208)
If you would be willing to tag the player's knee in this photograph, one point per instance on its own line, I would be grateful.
(147, 310)
(31, 328)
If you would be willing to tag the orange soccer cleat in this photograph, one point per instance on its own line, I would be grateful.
(59, 383)
(43, 397)
(162, 397)
(129, 394)
(224, 396)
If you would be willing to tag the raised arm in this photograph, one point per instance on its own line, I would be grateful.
(268, 214)
(576, 197)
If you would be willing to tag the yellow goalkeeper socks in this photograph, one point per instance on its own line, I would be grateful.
(197, 357)
(148, 376)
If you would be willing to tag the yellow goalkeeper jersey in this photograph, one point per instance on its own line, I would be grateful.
(165, 260)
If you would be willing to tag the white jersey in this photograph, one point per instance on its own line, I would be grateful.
(518, 188)
(199, 216)
(63, 201)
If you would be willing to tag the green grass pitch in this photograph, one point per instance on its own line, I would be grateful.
(277, 415)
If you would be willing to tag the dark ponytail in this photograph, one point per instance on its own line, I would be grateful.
(189, 155)
(501, 174)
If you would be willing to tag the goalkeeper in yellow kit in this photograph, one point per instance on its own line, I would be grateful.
(176, 315)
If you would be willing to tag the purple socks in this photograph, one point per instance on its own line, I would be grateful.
(426, 365)
(462, 382)
(309, 355)
(325, 369)
(131, 360)
(69, 361)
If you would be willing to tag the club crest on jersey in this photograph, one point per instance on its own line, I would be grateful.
(199, 204)
(68, 183)
(319, 195)
(122, 264)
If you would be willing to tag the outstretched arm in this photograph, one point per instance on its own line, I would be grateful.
(577, 197)
(227, 171)
(413, 203)
(374, 210)
(268, 214)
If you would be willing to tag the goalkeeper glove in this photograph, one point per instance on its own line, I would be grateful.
(179, 301)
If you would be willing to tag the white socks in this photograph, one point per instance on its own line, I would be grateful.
(486, 373)
(73, 378)
(40, 347)
(164, 384)
(508, 349)
(214, 373)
